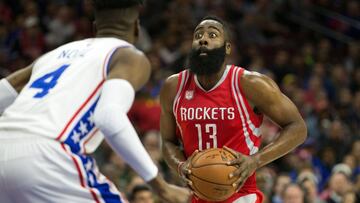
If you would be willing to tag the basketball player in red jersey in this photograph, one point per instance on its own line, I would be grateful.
(215, 105)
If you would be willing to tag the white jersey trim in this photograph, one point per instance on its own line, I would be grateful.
(250, 198)
(184, 79)
(255, 130)
(249, 143)
(222, 79)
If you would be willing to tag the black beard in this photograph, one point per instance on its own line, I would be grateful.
(208, 64)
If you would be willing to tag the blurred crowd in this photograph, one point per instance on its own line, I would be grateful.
(311, 48)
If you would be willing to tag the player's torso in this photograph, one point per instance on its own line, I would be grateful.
(59, 100)
(218, 117)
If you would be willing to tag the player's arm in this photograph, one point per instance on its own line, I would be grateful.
(265, 95)
(131, 65)
(20, 78)
(170, 147)
(129, 71)
(170, 144)
(12, 85)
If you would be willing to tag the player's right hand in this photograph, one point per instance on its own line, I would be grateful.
(184, 169)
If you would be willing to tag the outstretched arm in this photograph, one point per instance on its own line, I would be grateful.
(265, 95)
(129, 71)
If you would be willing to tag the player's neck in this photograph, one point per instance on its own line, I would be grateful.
(119, 35)
(209, 81)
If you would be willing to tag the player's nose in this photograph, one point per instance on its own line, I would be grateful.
(203, 42)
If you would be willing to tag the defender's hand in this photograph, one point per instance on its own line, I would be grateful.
(169, 193)
(175, 194)
(184, 169)
(246, 167)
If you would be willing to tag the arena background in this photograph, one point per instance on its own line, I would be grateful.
(309, 47)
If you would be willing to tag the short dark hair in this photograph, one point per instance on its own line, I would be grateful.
(222, 22)
(100, 5)
(116, 13)
(137, 189)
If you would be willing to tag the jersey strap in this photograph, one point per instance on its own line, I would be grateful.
(182, 81)
(251, 131)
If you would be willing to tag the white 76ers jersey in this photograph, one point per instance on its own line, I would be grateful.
(59, 100)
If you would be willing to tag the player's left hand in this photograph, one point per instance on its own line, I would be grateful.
(246, 167)
(184, 169)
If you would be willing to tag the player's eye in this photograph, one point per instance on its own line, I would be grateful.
(198, 35)
(212, 35)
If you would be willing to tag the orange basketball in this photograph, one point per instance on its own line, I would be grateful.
(210, 174)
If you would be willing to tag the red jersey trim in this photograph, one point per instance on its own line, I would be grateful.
(104, 72)
(81, 177)
(88, 139)
(79, 110)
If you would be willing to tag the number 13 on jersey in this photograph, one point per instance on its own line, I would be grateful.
(210, 131)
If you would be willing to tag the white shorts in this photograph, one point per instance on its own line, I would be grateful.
(39, 170)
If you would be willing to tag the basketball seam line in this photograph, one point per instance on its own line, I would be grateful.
(197, 190)
(211, 181)
(200, 155)
(210, 165)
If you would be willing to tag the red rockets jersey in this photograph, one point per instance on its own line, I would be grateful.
(218, 117)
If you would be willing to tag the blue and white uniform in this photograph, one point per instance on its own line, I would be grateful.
(46, 134)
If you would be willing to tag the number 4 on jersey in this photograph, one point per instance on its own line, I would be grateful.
(48, 81)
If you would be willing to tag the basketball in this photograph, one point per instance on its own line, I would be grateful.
(210, 174)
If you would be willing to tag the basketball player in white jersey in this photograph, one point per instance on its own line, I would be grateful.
(58, 110)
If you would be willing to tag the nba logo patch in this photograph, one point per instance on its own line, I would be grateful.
(189, 94)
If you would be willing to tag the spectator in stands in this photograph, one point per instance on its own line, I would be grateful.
(141, 194)
(308, 181)
(281, 181)
(293, 193)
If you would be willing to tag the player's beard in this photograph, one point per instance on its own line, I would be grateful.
(206, 64)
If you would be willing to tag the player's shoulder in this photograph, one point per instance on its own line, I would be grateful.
(131, 56)
(252, 80)
(131, 52)
(169, 89)
(171, 82)
(172, 79)
(130, 64)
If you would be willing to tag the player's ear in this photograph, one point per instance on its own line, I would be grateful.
(228, 48)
